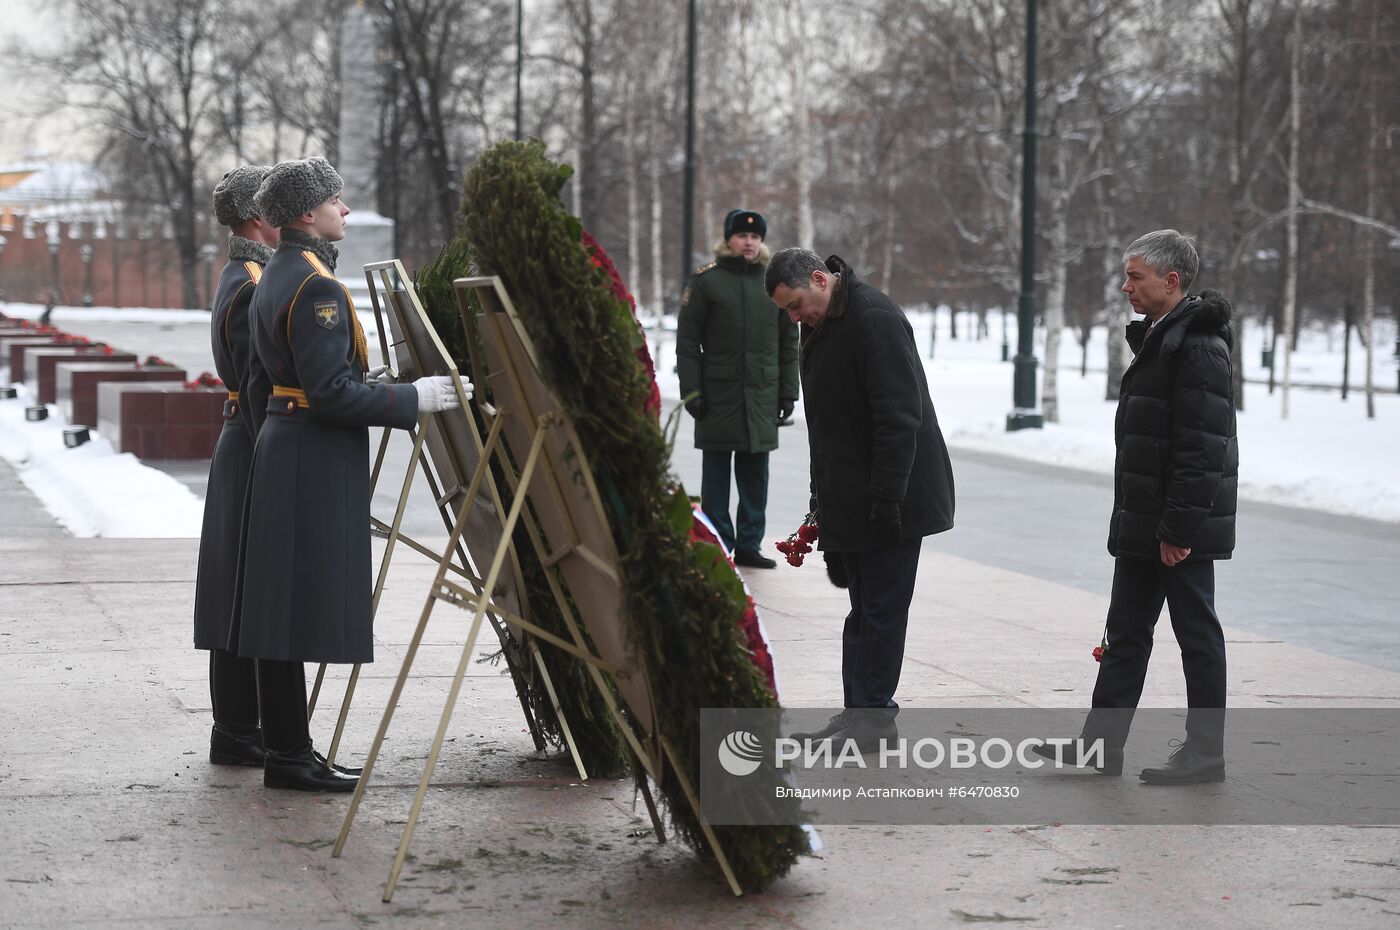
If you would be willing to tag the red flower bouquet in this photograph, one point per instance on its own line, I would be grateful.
(796, 546)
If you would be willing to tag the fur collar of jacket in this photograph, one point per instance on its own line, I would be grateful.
(246, 250)
(1208, 312)
(321, 248)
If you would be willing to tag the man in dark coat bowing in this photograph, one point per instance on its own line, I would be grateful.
(304, 568)
(1173, 517)
(235, 739)
(881, 479)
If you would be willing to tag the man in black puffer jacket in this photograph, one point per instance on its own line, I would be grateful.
(1174, 492)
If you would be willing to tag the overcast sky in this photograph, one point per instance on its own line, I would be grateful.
(22, 102)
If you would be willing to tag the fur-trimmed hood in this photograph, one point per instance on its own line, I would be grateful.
(1208, 312)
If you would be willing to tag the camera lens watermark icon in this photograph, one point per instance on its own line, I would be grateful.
(740, 753)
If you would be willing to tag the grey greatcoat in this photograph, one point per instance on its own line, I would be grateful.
(233, 454)
(304, 569)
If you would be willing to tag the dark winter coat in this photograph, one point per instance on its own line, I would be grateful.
(304, 568)
(739, 352)
(233, 453)
(870, 421)
(1177, 471)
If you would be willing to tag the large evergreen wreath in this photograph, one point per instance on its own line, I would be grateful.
(683, 603)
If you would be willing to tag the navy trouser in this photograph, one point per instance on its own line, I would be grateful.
(872, 644)
(233, 691)
(282, 701)
(1140, 586)
(751, 476)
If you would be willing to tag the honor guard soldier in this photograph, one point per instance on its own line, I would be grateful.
(235, 739)
(304, 567)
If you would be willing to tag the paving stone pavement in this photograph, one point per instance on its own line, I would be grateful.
(114, 818)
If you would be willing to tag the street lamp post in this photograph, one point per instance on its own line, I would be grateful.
(688, 194)
(519, 66)
(207, 252)
(86, 253)
(1025, 414)
(55, 244)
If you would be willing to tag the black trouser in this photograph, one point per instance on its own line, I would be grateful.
(233, 690)
(872, 644)
(282, 699)
(751, 477)
(1140, 586)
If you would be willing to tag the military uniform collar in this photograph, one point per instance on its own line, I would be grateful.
(322, 249)
(246, 250)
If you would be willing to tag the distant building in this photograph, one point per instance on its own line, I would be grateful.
(62, 230)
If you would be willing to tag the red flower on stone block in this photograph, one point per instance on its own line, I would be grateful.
(797, 545)
(205, 380)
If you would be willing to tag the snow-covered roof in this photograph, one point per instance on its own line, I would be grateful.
(52, 182)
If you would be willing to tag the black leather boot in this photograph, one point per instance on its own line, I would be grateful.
(228, 747)
(870, 728)
(304, 770)
(836, 724)
(1186, 766)
(1070, 755)
(342, 769)
(752, 558)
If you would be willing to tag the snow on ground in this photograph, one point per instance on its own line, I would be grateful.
(1325, 456)
(92, 490)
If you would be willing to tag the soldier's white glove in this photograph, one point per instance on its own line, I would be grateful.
(436, 394)
(382, 374)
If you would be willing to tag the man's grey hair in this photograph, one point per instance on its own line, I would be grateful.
(792, 268)
(1168, 250)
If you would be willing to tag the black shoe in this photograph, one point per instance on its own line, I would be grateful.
(227, 747)
(1186, 766)
(870, 729)
(303, 770)
(752, 558)
(342, 769)
(1070, 755)
(836, 724)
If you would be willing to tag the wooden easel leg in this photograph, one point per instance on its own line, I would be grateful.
(704, 824)
(645, 788)
(315, 691)
(418, 436)
(497, 562)
(409, 656)
(558, 711)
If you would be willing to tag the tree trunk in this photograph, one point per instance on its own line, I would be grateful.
(1054, 317)
(1368, 254)
(887, 261)
(658, 295)
(1118, 313)
(1290, 284)
(802, 132)
(1346, 348)
(629, 141)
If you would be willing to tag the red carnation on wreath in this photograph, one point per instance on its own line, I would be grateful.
(797, 545)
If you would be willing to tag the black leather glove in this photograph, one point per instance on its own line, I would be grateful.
(785, 408)
(696, 407)
(884, 520)
(836, 569)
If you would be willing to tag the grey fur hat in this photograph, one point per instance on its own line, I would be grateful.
(293, 187)
(233, 195)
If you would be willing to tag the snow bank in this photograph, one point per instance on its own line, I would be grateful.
(92, 490)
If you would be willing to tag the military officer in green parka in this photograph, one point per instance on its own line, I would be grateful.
(736, 354)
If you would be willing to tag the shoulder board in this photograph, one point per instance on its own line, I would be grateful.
(254, 271)
(704, 268)
(317, 264)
